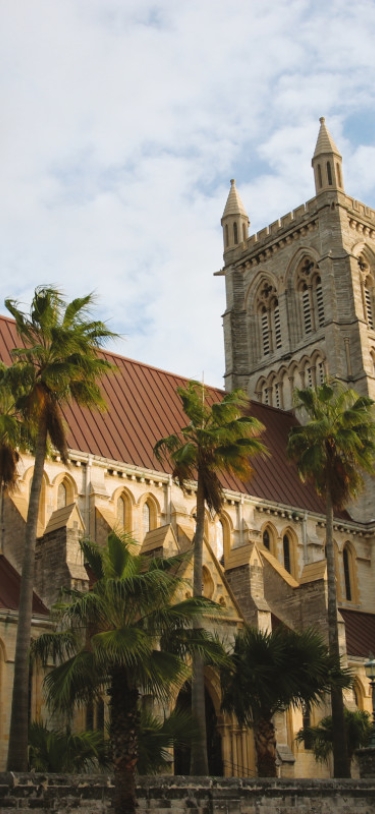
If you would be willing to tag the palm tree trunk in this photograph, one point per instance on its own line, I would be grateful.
(265, 745)
(199, 759)
(124, 728)
(341, 765)
(18, 736)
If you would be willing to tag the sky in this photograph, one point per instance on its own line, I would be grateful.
(123, 122)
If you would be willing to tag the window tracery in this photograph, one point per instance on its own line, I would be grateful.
(270, 323)
(309, 284)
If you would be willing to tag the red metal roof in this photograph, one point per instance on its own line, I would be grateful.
(10, 582)
(143, 407)
(360, 632)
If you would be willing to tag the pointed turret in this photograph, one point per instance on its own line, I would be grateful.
(235, 221)
(326, 162)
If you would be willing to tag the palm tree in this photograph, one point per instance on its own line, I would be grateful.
(125, 638)
(332, 451)
(269, 673)
(52, 750)
(219, 438)
(358, 728)
(58, 363)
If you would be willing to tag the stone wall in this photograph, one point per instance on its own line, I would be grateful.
(163, 795)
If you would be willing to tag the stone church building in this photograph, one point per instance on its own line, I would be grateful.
(300, 305)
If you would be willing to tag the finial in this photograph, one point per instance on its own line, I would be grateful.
(322, 119)
(232, 182)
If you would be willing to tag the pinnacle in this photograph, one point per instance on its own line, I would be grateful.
(234, 205)
(325, 143)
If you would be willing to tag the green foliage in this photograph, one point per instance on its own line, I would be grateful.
(127, 636)
(218, 438)
(60, 360)
(11, 435)
(338, 443)
(271, 671)
(52, 750)
(358, 728)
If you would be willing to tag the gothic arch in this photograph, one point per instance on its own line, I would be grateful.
(263, 316)
(359, 692)
(227, 536)
(65, 490)
(269, 538)
(295, 261)
(304, 284)
(319, 366)
(149, 513)
(123, 503)
(289, 550)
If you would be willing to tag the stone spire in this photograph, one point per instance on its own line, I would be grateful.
(235, 221)
(326, 162)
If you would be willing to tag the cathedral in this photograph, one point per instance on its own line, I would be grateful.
(299, 307)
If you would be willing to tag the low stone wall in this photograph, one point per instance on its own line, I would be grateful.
(92, 794)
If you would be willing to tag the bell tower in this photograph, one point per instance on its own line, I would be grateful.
(300, 294)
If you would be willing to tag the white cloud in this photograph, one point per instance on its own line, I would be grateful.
(125, 122)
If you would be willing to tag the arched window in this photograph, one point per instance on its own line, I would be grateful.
(235, 234)
(269, 317)
(266, 539)
(308, 375)
(320, 179)
(287, 554)
(320, 374)
(346, 557)
(277, 325)
(306, 309)
(265, 332)
(121, 512)
(329, 173)
(338, 173)
(226, 236)
(276, 390)
(146, 518)
(312, 303)
(62, 495)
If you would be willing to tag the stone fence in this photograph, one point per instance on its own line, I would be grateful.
(92, 794)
